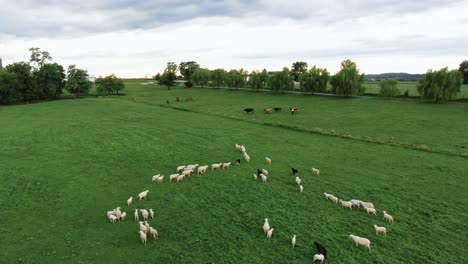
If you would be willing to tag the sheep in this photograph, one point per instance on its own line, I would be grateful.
(202, 169)
(144, 213)
(388, 217)
(123, 215)
(334, 199)
(277, 109)
(294, 171)
(151, 213)
(265, 172)
(249, 110)
(367, 204)
(160, 179)
(180, 178)
(136, 215)
(129, 201)
(266, 226)
(361, 241)
(216, 166)
(154, 233)
(315, 171)
(294, 110)
(226, 165)
(301, 188)
(238, 147)
(268, 160)
(345, 204)
(319, 257)
(155, 178)
(255, 176)
(370, 210)
(147, 225)
(260, 171)
(327, 195)
(191, 167)
(247, 157)
(187, 172)
(180, 168)
(264, 178)
(380, 229)
(356, 202)
(243, 149)
(142, 237)
(173, 176)
(143, 227)
(270, 233)
(267, 110)
(293, 241)
(298, 180)
(109, 213)
(117, 212)
(237, 162)
(112, 218)
(143, 195)
(320, 248)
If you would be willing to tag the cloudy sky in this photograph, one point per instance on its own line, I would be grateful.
(133, 38)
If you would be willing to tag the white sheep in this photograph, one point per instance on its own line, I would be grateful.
(123, 215)
(327, 195)
(334, 199)
(155, 178)
(380, 229)
(143, 227)
(129, 201)
(265, 172)
(243, 149)
(191, 167)
(147, 225)
(293, 241)
(268, 160)
(319, 257)
(145, 214)
(160, 179)
(388, 217)
(301, 188)
(255, 176)
(112, 218)
(370, 210)
(226, 165)
(143, 195)
(173, 176)
(151, 213)
(247, 157)
(142, 237)
(367, 204)
(136, 215)
(361, 241)
(180, 178)
(270, 233)
(180, 168)
(264, 178)
(298, 180)
(266, 226)
(202, 169)
(356, 203)
(345, 204)
(216, 166)
(238, 147)
(110, 213)
(315, 171)
(153, 232)
(117, 212)
(187, 172)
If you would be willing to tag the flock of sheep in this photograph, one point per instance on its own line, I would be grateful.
(185, 171)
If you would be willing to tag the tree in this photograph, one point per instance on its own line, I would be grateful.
(218, 77)
(236, 79)
(8, 88)
(50, 79)
(441, 85)
(201, 77)
(464, 71)
(298, 68)
(281, 81)
(348, 81)
(38, 57)
(26, 87)
(169, 76)
(77, 82)
(258, 80)
(109, 84)
(315, 80)
(187, 69)
(157, 77)
(388, 88)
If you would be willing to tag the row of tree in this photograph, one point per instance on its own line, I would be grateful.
(39, 79)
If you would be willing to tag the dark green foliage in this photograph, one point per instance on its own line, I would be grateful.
(9, 93)
(464, 70)
(201, 77)
(348, 81)
(109, 84)
(187, 69)
(38, 57)
(218, 78)
(314, 80)
(236, 78)
(441, 85)
(169, 75)
(26, 89)
(50, 78)
(258, 80)
(281, 81)
(77, 81)
(388, 88)
(298, 68)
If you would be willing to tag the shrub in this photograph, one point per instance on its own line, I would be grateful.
(388, 88)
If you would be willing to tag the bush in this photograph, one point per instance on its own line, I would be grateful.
(188, 84)
(388, 88)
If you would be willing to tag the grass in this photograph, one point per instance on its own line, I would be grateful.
(65, 163)
(411, 87)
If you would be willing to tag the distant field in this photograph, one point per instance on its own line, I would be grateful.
(411, 87)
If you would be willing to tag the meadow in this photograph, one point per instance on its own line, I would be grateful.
(65, 163)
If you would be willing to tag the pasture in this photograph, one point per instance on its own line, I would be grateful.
(65, 163)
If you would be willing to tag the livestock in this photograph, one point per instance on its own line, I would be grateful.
(277, 109)
(143, 195)
(294, 171)
(356, 202)
(320, 248)
(266, 226)
(155, 178)
(298, 181)
(249, 110)
(327, 195)
(380, 229)
(268, 160)
(270, 233)
(367, 204)
(293, 241)
(144, 213)
(301, 188)
(318, 257)
(315, 171)
(237, 162)
(123, 215)
(190, 99)
(226, 165)
(154, 233)
(267, 110)
(112, 218)
(142, 237)
(334, 199)
(160, 179)
(180, 168)
(247, 157)
(294, 110)
(388, 217)
(216, 166)
(173, 176)
(345, 204)
(129, 201)
(136, 215)
(264, 178)
(151, 213)
(265, 172)
(255, 176)
(180, 177)
(370, 210)
(361, 241)
(202, 169)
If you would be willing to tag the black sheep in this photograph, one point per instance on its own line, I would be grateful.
(249, 110)
(294, 171)
(277, 109)
(237, 162)
(259, 171)
(321, 249)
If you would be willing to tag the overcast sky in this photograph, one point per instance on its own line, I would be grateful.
(133, 38)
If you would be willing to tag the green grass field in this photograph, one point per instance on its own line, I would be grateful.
(65, 163)
(411, 87)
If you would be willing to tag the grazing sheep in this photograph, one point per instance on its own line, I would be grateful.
(320, 248)
(180, 178)
(145, 214)
(112, 218)
(202, 169)
(380, 229)
(151, 213)
(301, 188)
(294, 171)
(388, 217)
(345, 204)
(267, 110)
(268, 160)
(294, 110)
(327, 195)
(147, 225)
(277, 109)
(155, 178)
(361, 241)
(180, 168)
(143, 195)
(366, 204)
(298, 180)
(259, 171)
(293, 241)
(356, 203)
(238, 147)
(249, 110)
(318, 257)
(243, 149)
(216, 166)
(237, 163)
(143, 227)
(173, 176)
(264, 178)
(191, 167)
(110, 213)
(129, 201)
(270, 233)
(154, 233)
(370, 210)
(255, 176)
(246, 157)
(315, 171)
(142, 237)
(265, 172)
(123, 215)
(226, 165)
(136, 215)
(160, 179)
(266, 226)
(117, 212)
(334, 199)
(187, 172)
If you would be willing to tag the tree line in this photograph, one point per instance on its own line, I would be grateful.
(40, 79)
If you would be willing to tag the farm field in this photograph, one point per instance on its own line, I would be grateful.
(411, 87)
(406, 121)
(65, 163)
